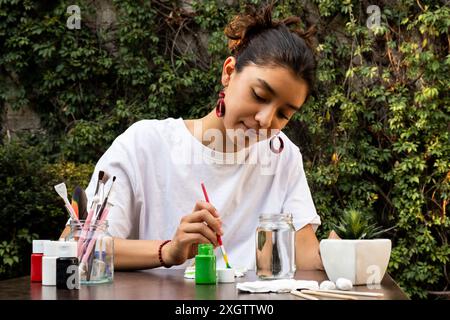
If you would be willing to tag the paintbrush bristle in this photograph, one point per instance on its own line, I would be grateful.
(225, 257)
(105, 178)
(226, 261)
(61, 189)
(103, 184)
(99, 178)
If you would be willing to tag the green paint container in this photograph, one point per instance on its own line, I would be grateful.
(205, 265)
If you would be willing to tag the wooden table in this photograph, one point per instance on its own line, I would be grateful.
(167, 284)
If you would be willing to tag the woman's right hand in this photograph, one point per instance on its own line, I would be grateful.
(201, 226)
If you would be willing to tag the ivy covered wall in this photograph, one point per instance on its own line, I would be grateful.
(375, 134)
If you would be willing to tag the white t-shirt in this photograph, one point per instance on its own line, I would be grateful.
(159, 166)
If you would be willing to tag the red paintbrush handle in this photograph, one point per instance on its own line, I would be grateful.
(219, 239)
(205, 193)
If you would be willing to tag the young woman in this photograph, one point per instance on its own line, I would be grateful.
(247, 164)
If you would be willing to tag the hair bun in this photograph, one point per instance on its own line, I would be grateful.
(243, 26)
(253, 21)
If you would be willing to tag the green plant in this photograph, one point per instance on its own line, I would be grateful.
(355, 224)
(11, 253)
(30, 207)
(375, 136)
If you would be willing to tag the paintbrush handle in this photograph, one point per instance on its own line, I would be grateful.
(84, 231)
(329, 295)
(71, 212)
(303, 295)
(93, 239)
(102, 208)
(355, 293)
(219, 238)
(94, 219)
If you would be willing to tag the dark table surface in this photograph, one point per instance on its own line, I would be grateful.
(168, 284)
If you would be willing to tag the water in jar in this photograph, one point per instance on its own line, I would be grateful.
(275, 252)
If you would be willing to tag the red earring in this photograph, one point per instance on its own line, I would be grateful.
(220, 106)
(280, 148)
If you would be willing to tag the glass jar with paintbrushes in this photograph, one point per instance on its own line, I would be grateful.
(95, 244)
(95, 250)
(89, 228)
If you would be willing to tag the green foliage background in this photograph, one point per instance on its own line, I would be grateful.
(374, 136)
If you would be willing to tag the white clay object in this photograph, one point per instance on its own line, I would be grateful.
(327, 285)
(344, 284)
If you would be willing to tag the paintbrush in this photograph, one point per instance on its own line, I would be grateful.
(303, 295)
(94, 212)
(101, 217)
(219, 238)
(101, 191)
(87, 256)
(354, 293)
(328, 295)
(100, 213)
(61, 189)
(99, 178)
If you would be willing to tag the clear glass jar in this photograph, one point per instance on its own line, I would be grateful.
(95, 251)
(275, 246)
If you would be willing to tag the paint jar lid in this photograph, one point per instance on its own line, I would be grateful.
(51, 248)
(205, 249)
(225, 275)
(38, 246)
(67, 249)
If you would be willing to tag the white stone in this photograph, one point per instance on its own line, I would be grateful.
(327, 285)
(344, 284)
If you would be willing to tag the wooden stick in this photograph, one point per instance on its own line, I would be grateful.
(330, 295)
(303, 295)
(355, 293)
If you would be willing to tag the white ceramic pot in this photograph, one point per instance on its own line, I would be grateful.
(361, 261)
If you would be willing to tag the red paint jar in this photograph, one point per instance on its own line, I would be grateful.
(36, 260)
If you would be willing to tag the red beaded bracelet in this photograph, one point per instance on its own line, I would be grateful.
(160, 253)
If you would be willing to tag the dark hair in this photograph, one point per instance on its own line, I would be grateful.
(255, 37)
